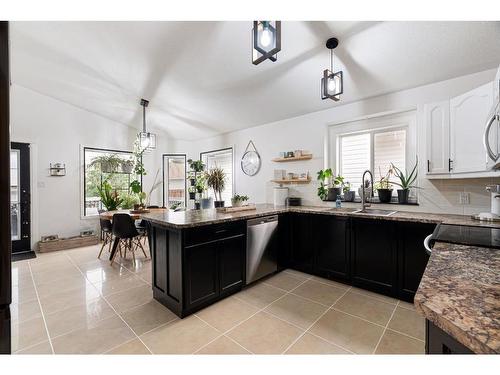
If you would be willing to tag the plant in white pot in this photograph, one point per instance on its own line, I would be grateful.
(216, 180)
(239, 200)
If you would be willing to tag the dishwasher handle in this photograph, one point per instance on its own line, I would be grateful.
(262, 220)
(427, 244)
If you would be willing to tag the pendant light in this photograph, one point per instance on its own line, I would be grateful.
(332, 85)
(266, 39)
(147, 140)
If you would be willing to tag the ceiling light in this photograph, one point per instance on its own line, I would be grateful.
(266, 38)
(147, 140)
(332, 85)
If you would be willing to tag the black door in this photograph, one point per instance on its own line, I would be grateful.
(20, 205)
(302, 243)
(231, 264)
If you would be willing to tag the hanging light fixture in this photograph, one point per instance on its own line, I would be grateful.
(147, 140)
(266, 38)
(331, 84)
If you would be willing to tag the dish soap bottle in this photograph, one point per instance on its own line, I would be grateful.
(338, 202)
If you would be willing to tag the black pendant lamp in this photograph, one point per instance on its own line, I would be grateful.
(147, 140)
(332, 85)
(266, 38)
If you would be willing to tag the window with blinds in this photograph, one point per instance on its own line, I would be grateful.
(222, 159)
(374, 150)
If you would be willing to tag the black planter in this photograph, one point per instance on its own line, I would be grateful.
(349, 196)
(333, 192)
(192, 195)
(192, 181)
(218, 204)
(196, 205)
(403, 195)
(384, 195)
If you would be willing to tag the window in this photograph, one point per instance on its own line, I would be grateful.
(104, 165)
(174, 180)
(374, 150)
(223, 159)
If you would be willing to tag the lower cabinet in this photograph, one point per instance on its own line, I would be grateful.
(213, 270)
(438, 341)
(302, 243)
(374, 256)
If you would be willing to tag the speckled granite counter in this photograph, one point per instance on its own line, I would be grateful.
(460, 294)
(193, 218)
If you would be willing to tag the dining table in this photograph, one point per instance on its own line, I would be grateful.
(135, 215)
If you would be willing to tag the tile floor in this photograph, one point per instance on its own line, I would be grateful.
(70, 302)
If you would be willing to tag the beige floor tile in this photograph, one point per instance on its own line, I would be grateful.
(406, 305)
(57, 274)
(100, 270)
(127, 299)
(22, 280)
(21, 268)
(88, 254)
(78, 317)
(76, 281)
(223, 345)
(61, 265)
(365, 307)
(298, 274)
(28, 333)
(409, 322)
(146, 275)
(319, 292)
(260, 295)
(374, 295)
(284, 281)
(25, 311)
(43, 348)
(132, 347)
(119, 284)
(146, 317)
(394, 343)
(68, 298)
(330, 282)
(100, 338)
(141, 264)
(310, 344)
(23, 294)
(183, 336)
(227, 313)
(53, 256)
(265, 334)
(348, 332)
(296, 310)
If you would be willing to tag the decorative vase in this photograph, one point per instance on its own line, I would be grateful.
(218, 204)
(403, 195)
(384, 195)
(349, 196)
(332, 193)
(206, 203)
(236, 203)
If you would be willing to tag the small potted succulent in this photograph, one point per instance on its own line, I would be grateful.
(406, 182)
(349, 194)
(238, 200)
(384, 187)
(216, 179)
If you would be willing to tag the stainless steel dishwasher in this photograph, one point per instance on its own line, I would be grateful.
(262, 241)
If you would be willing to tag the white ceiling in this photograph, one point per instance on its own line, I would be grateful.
(200, 80)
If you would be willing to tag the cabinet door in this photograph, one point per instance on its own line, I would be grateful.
(332, 251)
(468, 114)
(373, 255)
(412, 257)
(437, 120)
(201, 279)
(302, 243)
(231, 264)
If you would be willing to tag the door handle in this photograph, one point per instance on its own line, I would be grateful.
(486, 141)
(449, 165)
(428, 165)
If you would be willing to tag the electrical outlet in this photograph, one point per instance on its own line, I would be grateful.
(464, 198)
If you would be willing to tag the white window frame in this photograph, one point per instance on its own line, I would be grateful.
(202, 153)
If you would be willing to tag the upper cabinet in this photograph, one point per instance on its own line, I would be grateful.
(454, 134)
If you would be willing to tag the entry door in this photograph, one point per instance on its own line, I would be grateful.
(174, 180)
(20, 203)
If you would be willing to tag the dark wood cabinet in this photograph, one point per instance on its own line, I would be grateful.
(302, 243)
(373, 255)
(232, 257)
(438, 341)
(412, 257)
(332, 247)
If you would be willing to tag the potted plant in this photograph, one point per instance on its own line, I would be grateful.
(109, 197)
(127, 166)
(349, 194)
(196, 165)
(136, 188)
(107, 163)
(192, 192)
(324, 177)
(406, 182)
(384, 187)
(216, 179)
(237, 200)
(128, 201)
(336, 188)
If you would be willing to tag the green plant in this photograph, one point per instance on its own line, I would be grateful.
(216, 179)
(107, 163)
(196, 165)
(135, 186)
(200, 183)
(128, 201)
(384, 181)
(406, 180)
(239, 198)
(324, 176)
(338, 181)
(175, 205)
(346, 187)
(109, 197)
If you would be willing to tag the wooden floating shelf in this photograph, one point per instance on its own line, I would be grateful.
(295, 158)
(293, 181)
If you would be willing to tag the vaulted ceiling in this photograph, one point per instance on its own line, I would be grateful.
(200, 80)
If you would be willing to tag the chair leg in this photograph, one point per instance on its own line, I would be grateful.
(110, 235)
(139, 244)
(102, 247)
(116, 243)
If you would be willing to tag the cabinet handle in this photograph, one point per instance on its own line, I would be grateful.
(221, 231)
(449, 165)
(428, 165)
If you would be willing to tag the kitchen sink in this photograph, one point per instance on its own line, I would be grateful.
(374, 211)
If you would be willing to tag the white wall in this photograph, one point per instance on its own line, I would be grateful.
(309, 132)
(56, 132)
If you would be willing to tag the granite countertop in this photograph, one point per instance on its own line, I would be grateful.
(460, 294)
(193, 218)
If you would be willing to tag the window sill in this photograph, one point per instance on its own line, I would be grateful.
(376, 201)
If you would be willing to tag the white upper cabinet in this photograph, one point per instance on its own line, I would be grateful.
(468, 113)
(437, 119)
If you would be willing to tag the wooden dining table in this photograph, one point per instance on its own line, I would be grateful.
(108, 215)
